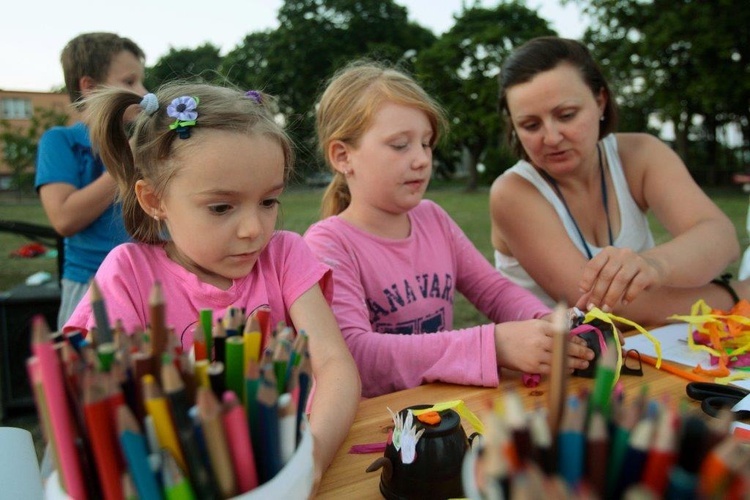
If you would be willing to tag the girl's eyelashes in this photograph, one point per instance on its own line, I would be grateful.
(219, 209)
(270, 203)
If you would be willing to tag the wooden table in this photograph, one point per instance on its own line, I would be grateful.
(346, 477)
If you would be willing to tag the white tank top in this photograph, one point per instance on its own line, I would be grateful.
(634, 233)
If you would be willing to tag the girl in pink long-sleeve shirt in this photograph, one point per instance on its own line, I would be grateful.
(398, 260)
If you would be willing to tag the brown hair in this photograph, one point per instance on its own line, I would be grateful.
(543, 54)
(348, 105)
(90, 54)
(150, 153)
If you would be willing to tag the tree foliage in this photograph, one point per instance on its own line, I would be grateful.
(20, 145)
(200, 64)
(462, 68)
(683, 61)
(314, 38)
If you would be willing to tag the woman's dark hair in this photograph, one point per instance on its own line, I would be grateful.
(543, 54)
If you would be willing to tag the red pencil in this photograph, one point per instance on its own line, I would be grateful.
(240, 446)
(102, 435)
(662, 454)
(61, 419)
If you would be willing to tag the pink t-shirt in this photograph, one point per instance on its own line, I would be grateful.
(389, 293)
(285, 270)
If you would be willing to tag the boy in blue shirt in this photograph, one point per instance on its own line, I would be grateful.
(77, 193)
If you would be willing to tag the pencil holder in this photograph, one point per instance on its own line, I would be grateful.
(295, 480)
(423, 460)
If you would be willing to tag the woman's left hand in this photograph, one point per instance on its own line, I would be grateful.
(617, 275)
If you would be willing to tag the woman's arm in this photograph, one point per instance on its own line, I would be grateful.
(703, 240)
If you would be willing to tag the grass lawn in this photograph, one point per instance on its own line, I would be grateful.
(300, 208)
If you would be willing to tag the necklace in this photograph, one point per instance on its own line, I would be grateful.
(553, 182)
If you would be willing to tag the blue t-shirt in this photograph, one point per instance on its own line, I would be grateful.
(65, 155)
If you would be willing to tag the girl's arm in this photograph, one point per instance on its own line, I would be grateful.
(392, 362)
(337, 385)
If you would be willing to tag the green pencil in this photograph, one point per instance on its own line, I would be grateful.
(604, 382)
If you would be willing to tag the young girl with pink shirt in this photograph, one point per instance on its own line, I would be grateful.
(398, 260)
(200, 181)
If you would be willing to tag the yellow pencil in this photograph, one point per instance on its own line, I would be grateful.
(157, 407)
(253, 339)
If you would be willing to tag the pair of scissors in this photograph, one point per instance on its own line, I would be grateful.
(716, 397)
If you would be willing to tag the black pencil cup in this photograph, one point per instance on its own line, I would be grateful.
(436, 470)
(593, 341)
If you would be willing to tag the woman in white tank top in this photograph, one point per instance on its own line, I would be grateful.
(569, 219)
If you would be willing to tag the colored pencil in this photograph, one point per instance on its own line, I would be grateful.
(240, 446)
(61, 419)
(206, 320)
(212, 424)
(158, 325)
(174, 390)
(604, 381)
(157, 406)
(304, 381)
(103, 328)
(235, 365)
(253, 338)
(219, 340)
(571, 442)
(636, 453)
(683, 477)
(557, 392)
(597, 453)
(102, 435)
(542, 442)
(217, 378)
(661, 455)
(287, 423)
(268, 413)
(200, 349)
(252, 382)
(176, 484)
(135, 451)
(515, 417)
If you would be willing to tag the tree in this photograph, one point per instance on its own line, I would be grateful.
(314, 38)
(461, 70)
(20, 146)
(200, 64)
(683, 61)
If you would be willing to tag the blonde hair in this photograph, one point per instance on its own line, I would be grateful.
(150, 153)
(347, 108)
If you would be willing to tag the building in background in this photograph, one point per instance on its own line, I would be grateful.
(17, 109)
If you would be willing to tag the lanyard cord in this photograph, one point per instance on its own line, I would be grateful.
(553, 182)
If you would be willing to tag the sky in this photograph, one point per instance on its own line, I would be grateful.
(34, 32)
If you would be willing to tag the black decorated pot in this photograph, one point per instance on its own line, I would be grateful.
(436, 469)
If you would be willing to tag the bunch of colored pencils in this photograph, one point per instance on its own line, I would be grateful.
(645, 448)
(132, 416)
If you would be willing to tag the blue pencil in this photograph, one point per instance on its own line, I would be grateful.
(304, 378)
(268, 415)
(134, 450)
(571, 442)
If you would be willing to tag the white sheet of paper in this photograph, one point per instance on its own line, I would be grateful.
(674, 347)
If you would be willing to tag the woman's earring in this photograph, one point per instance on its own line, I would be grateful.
(156, 216)
(601, 118)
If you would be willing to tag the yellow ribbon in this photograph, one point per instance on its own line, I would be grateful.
(460, 407)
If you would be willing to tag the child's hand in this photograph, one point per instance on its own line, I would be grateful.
(527, 346)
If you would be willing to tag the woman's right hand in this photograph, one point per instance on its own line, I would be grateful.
(527, 346)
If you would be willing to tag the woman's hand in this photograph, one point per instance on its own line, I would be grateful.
(617, 275)
(527, 346)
